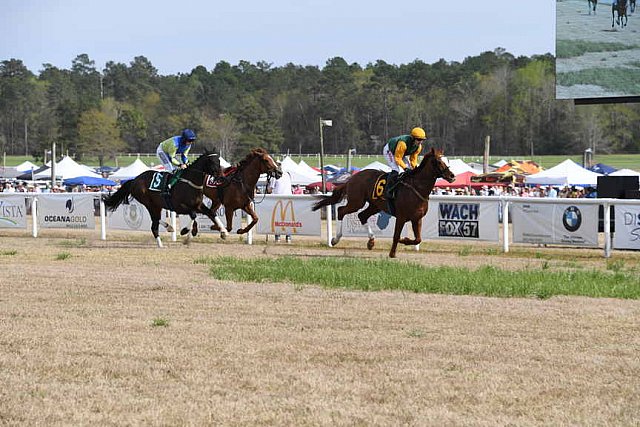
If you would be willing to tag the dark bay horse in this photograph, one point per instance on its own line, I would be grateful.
(185, 196)
(238, 191)
(619, 7)
(411, 202)
(592, 6)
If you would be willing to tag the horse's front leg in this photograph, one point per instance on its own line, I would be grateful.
(254, 219)
(396, 236)
(416, 226)
(211, 214)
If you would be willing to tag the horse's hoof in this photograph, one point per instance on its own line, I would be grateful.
(223, 236)
(184, 231)
(392, 255)
(334, 241)
(170, 229)
(371, 243)
(214, 228)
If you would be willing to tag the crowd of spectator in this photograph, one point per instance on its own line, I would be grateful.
(485, 190)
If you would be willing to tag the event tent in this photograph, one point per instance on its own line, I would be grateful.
(567, 172)
(457, 166)
(67, 168)
(88, 180)
(602, 168)
(131, 171)
(299, 176)
(378, 166)
(625, 172)
(26, 167)
(462, 180)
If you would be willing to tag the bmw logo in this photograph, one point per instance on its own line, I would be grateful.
(572, 218)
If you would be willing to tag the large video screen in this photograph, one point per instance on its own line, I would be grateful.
(597, 49)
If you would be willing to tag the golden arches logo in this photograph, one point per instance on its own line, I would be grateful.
(283, 222)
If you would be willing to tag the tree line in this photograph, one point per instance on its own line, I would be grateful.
(131, 108)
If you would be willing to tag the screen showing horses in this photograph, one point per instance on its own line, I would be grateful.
(597, 49)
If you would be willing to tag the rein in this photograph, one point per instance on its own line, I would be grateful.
(412, 188)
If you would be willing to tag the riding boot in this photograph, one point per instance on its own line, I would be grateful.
(392, 179)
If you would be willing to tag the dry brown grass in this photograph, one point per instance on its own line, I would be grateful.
(78, 345)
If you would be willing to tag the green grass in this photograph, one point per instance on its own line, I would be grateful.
(62, 256)
(377, 275)
(573, 48)
(159, 322)
(622, 80)
(9, 252)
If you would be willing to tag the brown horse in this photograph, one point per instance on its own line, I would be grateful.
(619, 7)
(185, 196)
(239, 189)
(411, 201)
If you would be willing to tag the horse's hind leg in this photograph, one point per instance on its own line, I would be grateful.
(367, 213)
(335, 240)
(254, 219)
(155, 225)
(416, 226)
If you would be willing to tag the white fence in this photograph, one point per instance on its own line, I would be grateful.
(535, 221)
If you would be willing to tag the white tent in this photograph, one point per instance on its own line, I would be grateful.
(299, 176)
(26, 167)
(68, 168)
(458, 166)
(565, 173)
(131, 171)
(377, 166)
(625, 172)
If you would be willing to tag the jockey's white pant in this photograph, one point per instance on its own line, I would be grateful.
(165, 159)
(391, 159)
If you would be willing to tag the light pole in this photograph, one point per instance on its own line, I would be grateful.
(323, 123)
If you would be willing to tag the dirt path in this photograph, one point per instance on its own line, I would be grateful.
(78, 345)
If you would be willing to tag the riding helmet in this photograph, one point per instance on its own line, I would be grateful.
(418, 133)
(188, 135)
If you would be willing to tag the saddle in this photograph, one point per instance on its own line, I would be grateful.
(221, 181)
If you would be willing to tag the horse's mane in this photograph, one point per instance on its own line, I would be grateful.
(255, 152)
(203, 155)
(433, 153)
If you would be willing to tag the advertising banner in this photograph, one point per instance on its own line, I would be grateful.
(462, 220)
(627, 235)
(558, 223)
(204, 223)
(70, 210)
(288, 215)
(132, 216)
(13, 212)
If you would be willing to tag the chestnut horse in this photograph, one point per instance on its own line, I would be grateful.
(185, 196)
(411, 201)
(238, 191)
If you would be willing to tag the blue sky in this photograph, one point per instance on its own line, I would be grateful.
(178, 35)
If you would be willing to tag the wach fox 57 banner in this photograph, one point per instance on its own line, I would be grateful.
(627, 235)
(287, 215)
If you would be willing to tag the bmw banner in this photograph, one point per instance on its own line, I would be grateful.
(66, 210)
(558, 223)
(13, 212)
(627, 235)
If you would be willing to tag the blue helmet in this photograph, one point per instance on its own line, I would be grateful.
(188, 135)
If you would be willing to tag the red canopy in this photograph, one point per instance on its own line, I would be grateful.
(318, 185)
(464, 180)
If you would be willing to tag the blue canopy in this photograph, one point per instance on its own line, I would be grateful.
(88, 180)
(602, 168)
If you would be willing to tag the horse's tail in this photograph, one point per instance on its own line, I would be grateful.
(339, 192)
(119, 197)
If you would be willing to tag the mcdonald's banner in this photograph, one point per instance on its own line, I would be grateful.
(13, 212)
(627, 235)
(559, 223)
(66, 210)
(280, 214)
(132, 216)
